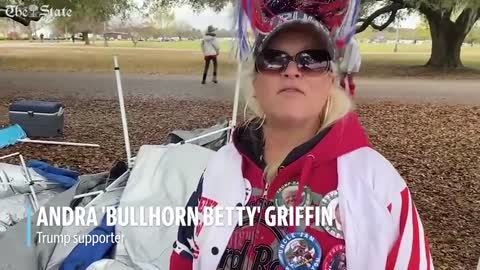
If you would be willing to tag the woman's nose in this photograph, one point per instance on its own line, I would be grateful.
(292, 71)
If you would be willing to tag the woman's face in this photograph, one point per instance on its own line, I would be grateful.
(291, 96)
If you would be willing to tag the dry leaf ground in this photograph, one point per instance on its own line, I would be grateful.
(436, 148)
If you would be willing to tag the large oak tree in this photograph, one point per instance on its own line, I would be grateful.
(449, 22)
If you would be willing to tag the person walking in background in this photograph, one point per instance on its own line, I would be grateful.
(211, 49)
(350, 63)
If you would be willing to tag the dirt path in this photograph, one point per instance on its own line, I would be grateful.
(102, 85)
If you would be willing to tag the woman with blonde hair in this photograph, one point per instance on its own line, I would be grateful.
(305, 135)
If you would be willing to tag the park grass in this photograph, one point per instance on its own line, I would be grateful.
(150, 61)
(192, 45)
(185, 58)
(411, 64)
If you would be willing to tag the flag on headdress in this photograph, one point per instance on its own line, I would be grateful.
(339, 16)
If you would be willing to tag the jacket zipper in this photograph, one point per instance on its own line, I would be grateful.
(265, 189)
(263, 199)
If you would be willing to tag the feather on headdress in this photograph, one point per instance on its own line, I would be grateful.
(339, 16)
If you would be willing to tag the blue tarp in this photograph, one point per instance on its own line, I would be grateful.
(83, 255)
(10, 135)
(65, 178)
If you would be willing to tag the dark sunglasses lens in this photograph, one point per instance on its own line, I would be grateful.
(272, 60)
(313, 60)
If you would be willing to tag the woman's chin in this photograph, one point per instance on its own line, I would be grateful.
(291, 116)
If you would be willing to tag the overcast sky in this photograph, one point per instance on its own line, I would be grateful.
(223, 19)
(205, 18)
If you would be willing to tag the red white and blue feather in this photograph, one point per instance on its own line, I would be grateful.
(339, 16)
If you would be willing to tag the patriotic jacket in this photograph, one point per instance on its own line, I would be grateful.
(376, 223)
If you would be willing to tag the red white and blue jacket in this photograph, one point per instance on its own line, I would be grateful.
(377, 223)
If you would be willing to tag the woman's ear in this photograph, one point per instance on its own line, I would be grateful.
(254, 84)
(332, 76)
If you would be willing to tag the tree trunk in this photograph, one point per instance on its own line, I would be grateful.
(85, 38)
(447, 38)
(30, 33)
(446, 43)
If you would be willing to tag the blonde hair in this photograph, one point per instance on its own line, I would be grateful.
(337, 106)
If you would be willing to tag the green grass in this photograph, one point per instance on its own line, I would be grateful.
(90, 59)
(388, 48)
(378, 60)
(192, 45)
(410, 49)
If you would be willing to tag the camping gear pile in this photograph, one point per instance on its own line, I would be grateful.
(155, 177)
(144, 185)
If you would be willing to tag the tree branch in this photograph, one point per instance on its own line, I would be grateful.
(466, 20)
(448, 14)
(393, 8)
(23, 20)
(468, 16)
(425, 10)
(390, 20)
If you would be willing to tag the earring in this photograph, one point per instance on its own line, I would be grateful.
(263, 121)
(326, 110)
(245, 109)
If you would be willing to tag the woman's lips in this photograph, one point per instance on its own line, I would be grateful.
(291, 90)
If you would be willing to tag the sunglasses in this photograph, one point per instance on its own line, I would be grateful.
(276, 61)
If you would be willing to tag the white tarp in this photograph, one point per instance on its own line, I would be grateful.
(14, 190)
(162, 176)
(14, 209)
(15, 176)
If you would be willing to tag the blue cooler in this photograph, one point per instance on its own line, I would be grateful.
(38, 118)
